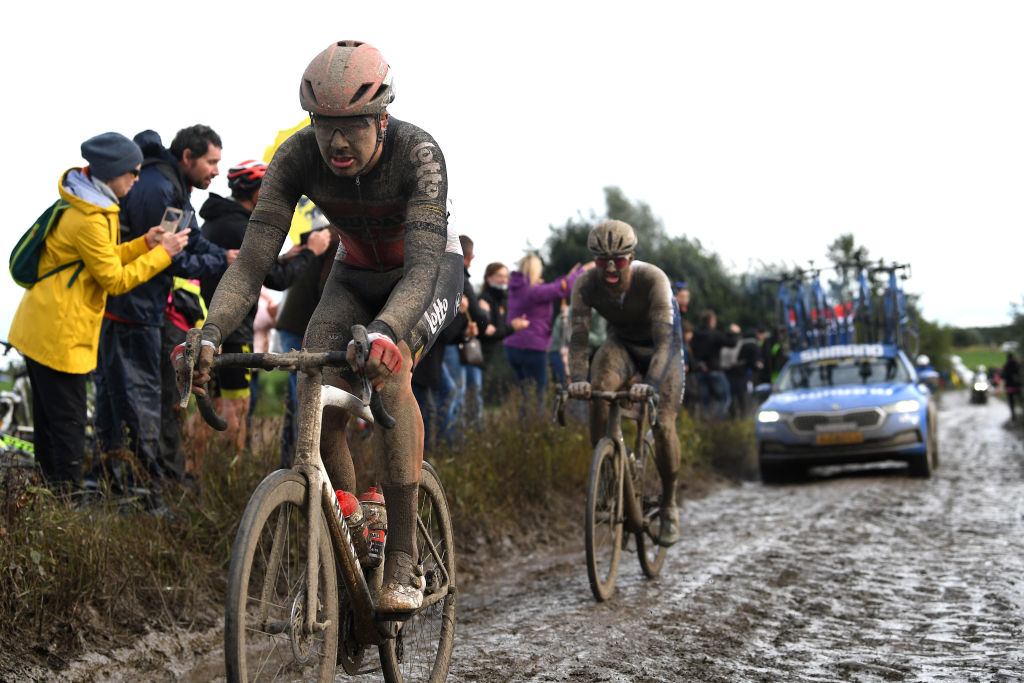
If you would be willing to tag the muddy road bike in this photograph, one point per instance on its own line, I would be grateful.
(299, 603)
(623, 491)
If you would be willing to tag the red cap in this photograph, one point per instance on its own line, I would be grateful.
(372, 496)
(348, 502)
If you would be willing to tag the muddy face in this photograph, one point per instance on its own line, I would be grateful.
(615, 273)
(348, 144)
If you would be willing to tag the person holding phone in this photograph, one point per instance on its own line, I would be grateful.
(57, 325)
(136, 402)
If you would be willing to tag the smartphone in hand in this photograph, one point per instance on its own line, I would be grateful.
(172, 219)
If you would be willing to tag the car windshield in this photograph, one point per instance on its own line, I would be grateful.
(838, 372)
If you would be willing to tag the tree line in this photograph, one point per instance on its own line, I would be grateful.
(746, 298)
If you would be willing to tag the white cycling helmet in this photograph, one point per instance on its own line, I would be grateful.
(922, 360)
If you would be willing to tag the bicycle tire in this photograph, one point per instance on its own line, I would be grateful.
(422, 649)
(604, 519)
(652, 555)
(268, 574)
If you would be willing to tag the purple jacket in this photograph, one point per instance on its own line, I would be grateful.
(535, 301)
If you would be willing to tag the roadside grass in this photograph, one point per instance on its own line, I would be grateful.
(76, 577)
(973, 356)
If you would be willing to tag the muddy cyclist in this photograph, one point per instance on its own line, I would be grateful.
(382, 182)
(644, 337)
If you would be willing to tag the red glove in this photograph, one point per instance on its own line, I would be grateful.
(385, 350)
(384, 359)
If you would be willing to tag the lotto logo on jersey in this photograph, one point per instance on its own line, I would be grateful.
(436, 314)
(428, 171)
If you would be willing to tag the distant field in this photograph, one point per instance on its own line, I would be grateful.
(974, 356)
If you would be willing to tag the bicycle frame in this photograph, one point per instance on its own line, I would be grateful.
(634, 512)
(647, 413)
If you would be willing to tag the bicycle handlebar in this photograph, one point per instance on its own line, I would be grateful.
(292, 360)
(562, 397)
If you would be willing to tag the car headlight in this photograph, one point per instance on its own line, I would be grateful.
(908, 406)
(768, 416)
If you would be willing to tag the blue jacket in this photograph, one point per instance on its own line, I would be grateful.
(141, 209)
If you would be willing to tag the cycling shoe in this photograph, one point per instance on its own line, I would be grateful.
(403, 584)
(668, 533)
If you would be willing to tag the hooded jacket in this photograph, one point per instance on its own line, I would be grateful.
(536, 302)
(142, 208)
(59, 326)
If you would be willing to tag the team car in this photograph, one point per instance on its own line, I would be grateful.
(843, 404)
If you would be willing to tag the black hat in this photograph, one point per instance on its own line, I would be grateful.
(110, 155)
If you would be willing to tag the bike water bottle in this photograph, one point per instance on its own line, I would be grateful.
(375, 518)
(352, 511)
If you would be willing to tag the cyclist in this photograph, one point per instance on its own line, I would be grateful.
(398, 270)
(644, 336)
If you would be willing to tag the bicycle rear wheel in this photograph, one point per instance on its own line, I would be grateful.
(422, 649)
(652, 555)
(604, 519)
(263, 638)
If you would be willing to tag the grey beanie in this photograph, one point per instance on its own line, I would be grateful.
(111, 154)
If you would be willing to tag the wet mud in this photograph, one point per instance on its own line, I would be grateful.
(852, 574)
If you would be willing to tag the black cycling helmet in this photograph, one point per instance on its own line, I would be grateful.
(611, 238)
(246, 177)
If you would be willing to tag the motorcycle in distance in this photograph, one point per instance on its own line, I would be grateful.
(980, 385)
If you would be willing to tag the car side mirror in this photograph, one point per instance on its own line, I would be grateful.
(762, 392)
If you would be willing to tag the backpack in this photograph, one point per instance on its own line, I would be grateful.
(729, 356)
(24, 261)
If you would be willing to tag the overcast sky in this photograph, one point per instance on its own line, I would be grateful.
(762, 129)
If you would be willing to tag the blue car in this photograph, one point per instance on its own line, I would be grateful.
(844, 404)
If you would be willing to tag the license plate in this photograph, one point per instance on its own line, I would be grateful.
(838, 438)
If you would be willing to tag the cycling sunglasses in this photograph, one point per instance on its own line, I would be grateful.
(348, 126)
(619, 261)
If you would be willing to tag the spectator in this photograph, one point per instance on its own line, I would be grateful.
(497, 375)
(746, 366)
(57, 324)
(558, 352)
(262, 325)
(467, 325)
(529, 295)
(135, 384)
(683, 298)
(712, 384)
(225, 223)
(691, 393)
(1011, 382)
(773, 356)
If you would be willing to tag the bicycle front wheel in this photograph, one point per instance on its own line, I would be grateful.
(264, 638)
(422, 650)
(648, 481)
(604, 519)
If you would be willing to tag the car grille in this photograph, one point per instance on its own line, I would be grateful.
(864, 419)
